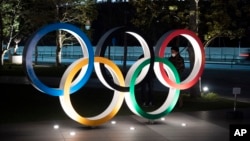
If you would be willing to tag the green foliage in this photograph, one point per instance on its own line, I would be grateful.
(157, 17)
(211, 96)
(225, 19)
(10, 19)
(40, 13)
(216, 18)
(205, 97)
(33, 14)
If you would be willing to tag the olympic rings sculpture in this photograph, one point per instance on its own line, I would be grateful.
(123, 87)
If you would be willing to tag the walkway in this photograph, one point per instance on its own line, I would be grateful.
(193, 126)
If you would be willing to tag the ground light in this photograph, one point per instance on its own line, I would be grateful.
(56, 126)
(72, 133)
(132, 128)
(113, 122)
(205, 89)
(183, 124)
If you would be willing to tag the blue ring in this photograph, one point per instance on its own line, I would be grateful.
(30, 46)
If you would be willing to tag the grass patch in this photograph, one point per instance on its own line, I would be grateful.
(210, 96)
(209, 101)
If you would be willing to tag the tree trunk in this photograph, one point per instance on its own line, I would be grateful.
(1, 40)
(58, 56)
(125, 54)
(209, 41)
(195, 90)
(59, 44)
(2, 57)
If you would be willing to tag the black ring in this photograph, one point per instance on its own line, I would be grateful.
(100, 51)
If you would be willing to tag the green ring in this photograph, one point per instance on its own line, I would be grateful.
(137, 108)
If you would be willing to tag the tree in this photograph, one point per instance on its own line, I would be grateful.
(206, 21)
(158, 17)
(194, 26)
(10, 12)
(211, 25)
(233, 25)
(72, 11)
(171, 15)
(78, 12)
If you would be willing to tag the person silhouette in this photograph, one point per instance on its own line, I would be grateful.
(146, 88)
(177, 60)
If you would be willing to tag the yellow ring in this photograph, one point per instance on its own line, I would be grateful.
(112, 109)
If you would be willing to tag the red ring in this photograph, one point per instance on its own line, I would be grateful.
(166, 39)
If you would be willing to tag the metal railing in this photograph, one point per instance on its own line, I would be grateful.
(43, 53)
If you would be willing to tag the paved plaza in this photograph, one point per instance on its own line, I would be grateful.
(189, 126)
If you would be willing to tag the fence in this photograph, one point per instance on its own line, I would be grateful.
(70, 53)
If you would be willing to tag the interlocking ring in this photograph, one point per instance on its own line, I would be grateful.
(87, 51)
(199, 61)
(115, 104)
(100, 51)
(164, 71)
(173, 93)
(118, 97)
